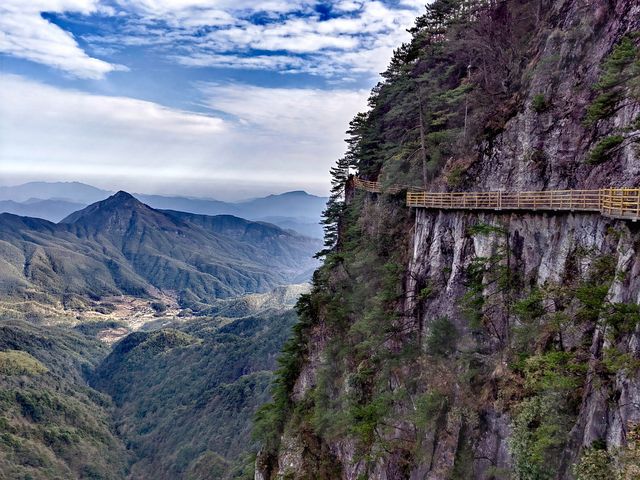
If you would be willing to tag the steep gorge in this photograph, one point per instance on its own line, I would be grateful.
(457, 345)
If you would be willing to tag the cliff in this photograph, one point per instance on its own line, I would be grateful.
(462, 344)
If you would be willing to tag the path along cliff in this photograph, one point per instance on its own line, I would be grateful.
(458, 344)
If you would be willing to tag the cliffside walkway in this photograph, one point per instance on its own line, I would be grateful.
(621, 203)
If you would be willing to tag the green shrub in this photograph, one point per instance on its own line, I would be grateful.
(430, 409)
(365, 418)
(602, 107)
(539, 103)
(426, 293)
(622, 318)
(455, 176)
(442, 338)
(530, 307)
(616, 361)
(594, 464)
(554, 372)
(603, 148)
(539, 431)
(620, 71)
(15, 362)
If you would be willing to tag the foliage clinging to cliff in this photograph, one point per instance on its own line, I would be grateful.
(394, 381)
(445, 90)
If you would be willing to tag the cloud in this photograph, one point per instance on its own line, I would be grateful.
(195, 13)
(301, 115)
(288, 37)
(257, 62)
(271, 138)
(357, 35)
(24, 33)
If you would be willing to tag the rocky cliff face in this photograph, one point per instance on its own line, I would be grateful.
(509, 344)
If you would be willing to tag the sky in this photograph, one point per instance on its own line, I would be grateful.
(224, 99)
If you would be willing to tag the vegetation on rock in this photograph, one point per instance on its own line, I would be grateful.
(372, 382)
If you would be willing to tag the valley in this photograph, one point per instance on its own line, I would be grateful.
(137, 343)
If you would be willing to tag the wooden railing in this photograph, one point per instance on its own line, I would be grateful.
(612, 202)
(586, 200)
(377, 187)
(620, 202)
(368, 185)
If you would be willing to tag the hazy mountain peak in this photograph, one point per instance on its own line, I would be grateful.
(121, 204)
(57, 201)
(121, 197)
(71, 191)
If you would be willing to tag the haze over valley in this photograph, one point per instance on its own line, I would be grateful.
(54, 201)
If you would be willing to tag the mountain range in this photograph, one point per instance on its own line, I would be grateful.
(54, 201)
(174, 398)
(120, 246)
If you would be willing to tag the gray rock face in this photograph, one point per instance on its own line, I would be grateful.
(536, 151)
(442, 244)
(578, 44)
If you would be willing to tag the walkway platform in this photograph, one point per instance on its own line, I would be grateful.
(622, 203)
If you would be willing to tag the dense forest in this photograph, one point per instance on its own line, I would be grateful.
(454, 345)
(175, 402)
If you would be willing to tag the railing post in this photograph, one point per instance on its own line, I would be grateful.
(610, 201)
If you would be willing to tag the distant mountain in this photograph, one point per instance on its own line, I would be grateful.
(290, 204)
(75, 192)
(52, 210)
(311, 227)
(298, 211)
(122, 246)
(202, 206)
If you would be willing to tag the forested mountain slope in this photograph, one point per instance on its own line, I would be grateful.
(185, 395)
(52, 424)
(172, 403)
(468, 345)
(121, 246)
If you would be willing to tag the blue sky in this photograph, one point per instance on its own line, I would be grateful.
(217, 98)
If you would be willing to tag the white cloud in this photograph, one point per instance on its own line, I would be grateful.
(300, 115)
(197, 13)
(215, 33)
(258, 62)
(273, 138)
(24, 33)
(360, 40)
